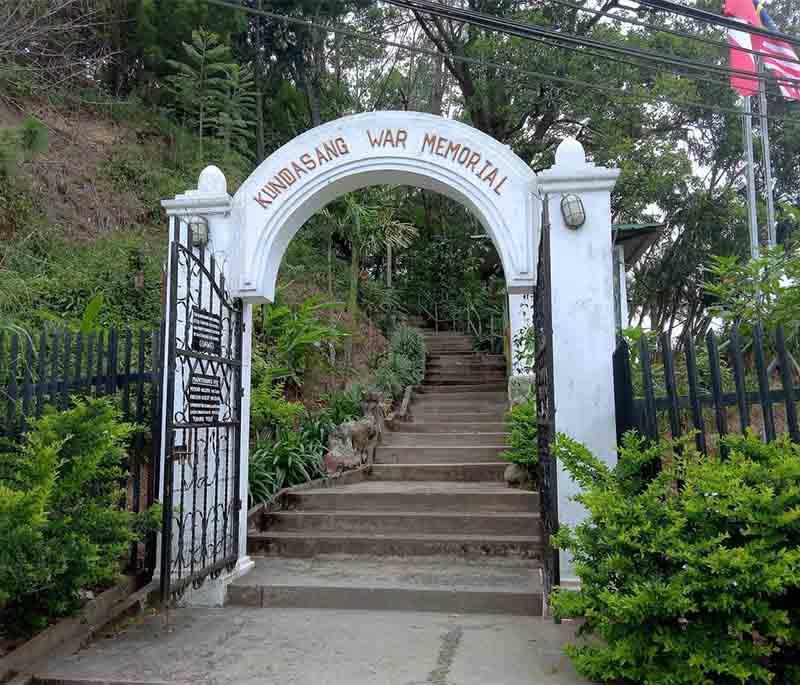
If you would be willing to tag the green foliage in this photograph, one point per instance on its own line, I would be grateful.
(236, 116)
(202, 83)
(48, 281)
(271, 415)
(403, 365)
(289, 335)
(523, 442)
(18, 144)
(691, 576)
(751, 290)
(281, 463)
(61, 528)
(345, 405)
(409, 342)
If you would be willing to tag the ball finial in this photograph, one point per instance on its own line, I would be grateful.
(212, 180)
(570, 153)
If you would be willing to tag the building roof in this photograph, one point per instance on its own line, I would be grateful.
(635, 239)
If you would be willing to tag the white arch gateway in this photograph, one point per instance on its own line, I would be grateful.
(226, 253)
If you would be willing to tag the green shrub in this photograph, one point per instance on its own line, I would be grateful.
(278, 464)
(409, 343)
(395, 373)
(271, 415)
(523, 441)
(691, 576)
(290, 334)
(345, 405)
(61, 528)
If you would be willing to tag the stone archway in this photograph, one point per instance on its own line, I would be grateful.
(400, 148)
(247, 236)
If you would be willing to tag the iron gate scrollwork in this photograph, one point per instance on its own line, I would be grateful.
(202, 419)
(545, 405)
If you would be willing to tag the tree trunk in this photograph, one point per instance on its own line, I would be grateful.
(355, 269)
(330, 262)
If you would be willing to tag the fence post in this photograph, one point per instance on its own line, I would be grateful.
(788, 385)
(623, 390)
(716, 390)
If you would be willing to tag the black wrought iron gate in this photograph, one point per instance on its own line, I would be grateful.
(203, 390)
(545, 404)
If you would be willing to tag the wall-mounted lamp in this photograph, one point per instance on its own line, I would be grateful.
(198, 228)
(573, 211)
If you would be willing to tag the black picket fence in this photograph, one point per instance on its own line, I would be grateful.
(48, 369)
(721, 387)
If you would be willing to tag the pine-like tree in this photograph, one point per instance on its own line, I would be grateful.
(200, 86)
(235, 120)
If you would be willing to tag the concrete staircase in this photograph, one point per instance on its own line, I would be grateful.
(433, 528)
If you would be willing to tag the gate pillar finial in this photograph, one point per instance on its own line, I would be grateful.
(583, 321)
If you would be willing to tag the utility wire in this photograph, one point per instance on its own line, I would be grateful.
(663, 29)
(524, 30)
(717, 19)
(538, 75)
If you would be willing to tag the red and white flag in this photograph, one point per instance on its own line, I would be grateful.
(779, 56)
(743, 61)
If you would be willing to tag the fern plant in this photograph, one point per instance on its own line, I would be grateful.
(201, 81)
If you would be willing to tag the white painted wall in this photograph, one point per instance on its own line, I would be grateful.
(584, 332)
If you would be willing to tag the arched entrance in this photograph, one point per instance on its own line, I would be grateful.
(231, 249)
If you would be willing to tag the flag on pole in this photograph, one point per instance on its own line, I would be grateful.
(779, 56)
(744, 11)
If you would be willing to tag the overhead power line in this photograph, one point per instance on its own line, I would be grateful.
(661, 29)
(537, 75)
(526, 30)
(717, 19)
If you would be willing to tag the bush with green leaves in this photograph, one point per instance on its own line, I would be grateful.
(408, 342)
(523, 446)
(281, 463)
(395, 373)
(61, 527)
(289, 335)
(690, 576)
(345, 405)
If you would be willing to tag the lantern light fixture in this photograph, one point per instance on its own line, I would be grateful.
(198, 227)
(573, 211)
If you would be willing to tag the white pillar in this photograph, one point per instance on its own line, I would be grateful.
(211, 202)
(584, 334)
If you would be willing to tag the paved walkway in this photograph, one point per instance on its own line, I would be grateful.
(326, 647)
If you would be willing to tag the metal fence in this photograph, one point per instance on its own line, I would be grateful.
(49, 368)
(746, 381)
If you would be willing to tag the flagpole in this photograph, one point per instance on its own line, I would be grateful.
(771, 232)
(751, 177)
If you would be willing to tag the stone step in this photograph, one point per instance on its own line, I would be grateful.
(502, 586)
(440, 497)
(458, 472)
(472, 428)
(466, 361)
(498, 396)
(382, 522)
(432, 389)
(453, 441)
(305, 544)
(473, 357)
(413, 454)
(457, 415)
(425, 407)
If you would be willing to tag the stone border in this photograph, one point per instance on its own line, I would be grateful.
(72, 633)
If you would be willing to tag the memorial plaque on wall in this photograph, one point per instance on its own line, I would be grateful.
(206, 332)
(205, 398)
